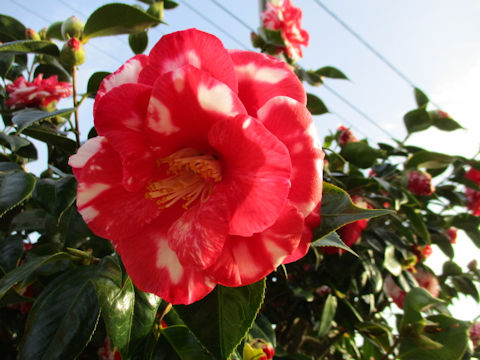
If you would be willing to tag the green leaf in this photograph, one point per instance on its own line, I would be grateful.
(273, 37)
(332, 239)
(15, 187)
(420, 97)
(138, 42)
(417, 120)
(27, 269)
(470, 224)
(94, 82)
(418, 299)
(315, 105)
(169, 4)
(221, 320)
(338, 210)
(378, 333)
(463, 284)
(6, 62)
(418, 224)
(443, 122)
(54, 31)
(52, 137)
(391, 263)
(360, 154)
(56, 195)
(63, 318)
(114, 19)
(52, 70)
(429, 160)
(30, 46)
(11, 249)
(328, 314)
(11, 27)
(13, 142)
(185, 344)
(331, 72)
(26, 118)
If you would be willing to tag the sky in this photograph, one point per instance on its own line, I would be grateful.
(435, 43)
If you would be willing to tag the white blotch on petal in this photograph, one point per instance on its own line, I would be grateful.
(193, 59)
(217, 98)
(312, 131)
(276, 252)
(159, 118)
(86, 151)
(166, 258)
(179, 80)
(87, 193)
(127, 74)
(89, 213)
(264, 74)
(243, 258)
(246, 124)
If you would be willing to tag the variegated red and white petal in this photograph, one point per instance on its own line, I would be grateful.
(291, 122)
(262, 77)
(126, 74)
(184, 105)
(121, 117)
(154, 267)
(190, 47)
(245, 260)
(84, 153)
(255, 174)
(108, 209)
(198, 236)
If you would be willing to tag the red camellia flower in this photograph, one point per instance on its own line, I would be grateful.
(39, 93)
(282, 15)
(420, 183)
(473, 196)
(207, 168)
(345, 136)
(424, 279)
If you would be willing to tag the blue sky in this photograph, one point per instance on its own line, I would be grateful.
(435, 43)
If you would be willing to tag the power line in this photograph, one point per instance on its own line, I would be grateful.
(370, 47)
(248, 27)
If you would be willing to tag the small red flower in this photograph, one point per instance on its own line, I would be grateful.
(473, 196)
(39, 93)
(346, 136)
(287, 18)
(420, 183)
(452, 235)
(424, 279)
(207, 169)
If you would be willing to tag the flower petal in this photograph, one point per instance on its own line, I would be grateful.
(262, 77)
(292, 123)
(84, 153)
(108, 209)
(155, 268)
(120, 116)
(256, 174)
(245, 260)
(184, 105)
(190, 47)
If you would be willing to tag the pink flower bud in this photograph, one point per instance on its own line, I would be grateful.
(472, 195)
(452, 235)
(345, 136)
(72, 53)
(72, 28)
(472, 265)
(420, 183)
(31, 34)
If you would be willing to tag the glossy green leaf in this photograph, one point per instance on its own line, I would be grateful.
(221, 320)
(338, 210)
(169, 4)
(56, 195)
(63, 317)
(328, 314)
(417, 120)
(360, 154)
(13, 142)
(54, 31)
(451, 333)
(138, 42)
(6, 62)
(27, 269)
(429, 160)
(30, 47)
(11, 249)
(444, 123)
(273, 37)
(315, 105)
(465, 285)
(15, 187)
(417, 300)
(391, 263)
(418, 223)
(377, 333)
(331, 72)
(114, 19)
(52, 70)
(185, 344)
(94, 82)
(26, 118)
(420, 97)
(332, 239)
(11, 27)
(52, 137)
(32, 220)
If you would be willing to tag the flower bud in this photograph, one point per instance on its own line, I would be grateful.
(345, 136)
(452, 235)
(251, 353)
(31, 34)
(72, 53)
(257, 41)
(156, 10)
(72, 28)
(420, 183)
(472, 265)
(43, 34)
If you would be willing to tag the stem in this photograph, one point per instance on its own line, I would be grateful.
(392, 348)
(75, 104)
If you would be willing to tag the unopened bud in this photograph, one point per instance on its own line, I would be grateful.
(472, 265)
(156, 10)
(31, 34)
(43, 34)
(257, 41)
(72, 53)
(72, 28)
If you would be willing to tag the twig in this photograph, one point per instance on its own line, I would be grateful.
(75, 105)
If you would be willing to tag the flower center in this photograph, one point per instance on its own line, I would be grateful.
(193, 176)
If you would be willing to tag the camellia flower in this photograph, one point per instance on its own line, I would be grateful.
(420, 183)
(473, 196)
(39, 93)
(424, 279)
(282, 15)
(207, 168)
(345, 136)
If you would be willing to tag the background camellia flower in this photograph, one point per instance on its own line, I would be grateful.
(282, 15)
(207, 168)
(345, 136)
(473, 196)
(452, 234)
(420, 183)
(425, 279)
(40, 93)
(475, 334)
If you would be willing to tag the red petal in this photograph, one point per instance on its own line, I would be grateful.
(155, 268)
(262, 77)
(108, 209)
(248, 259)
(120, 116)
(190, 47)
(126, 74)
(292, 123)
(184, 105)
(256, 174)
